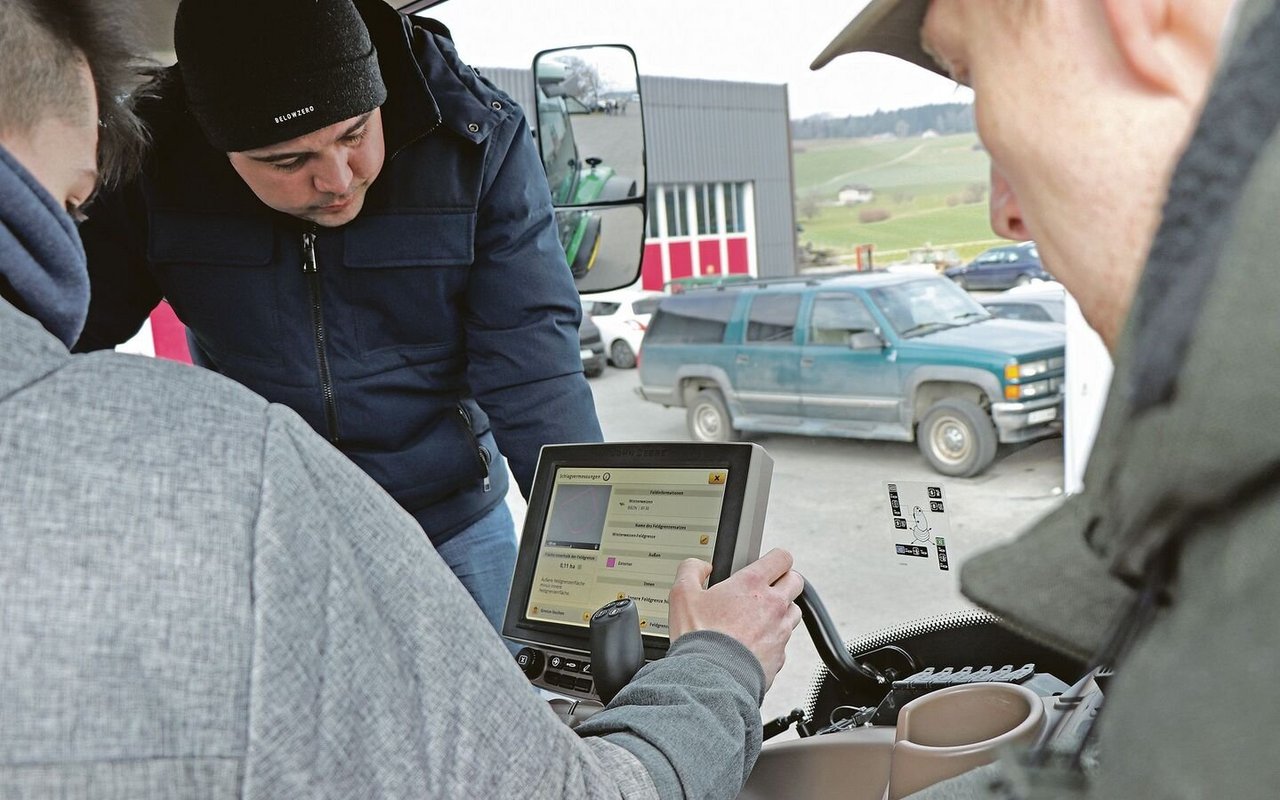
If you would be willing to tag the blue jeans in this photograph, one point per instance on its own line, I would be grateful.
(483, 556)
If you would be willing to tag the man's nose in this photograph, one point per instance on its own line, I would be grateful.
(1006, 215)
(333, 175)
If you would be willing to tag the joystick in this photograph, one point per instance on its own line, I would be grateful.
(617, 650)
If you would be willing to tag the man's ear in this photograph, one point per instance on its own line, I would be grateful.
(1138, 28)
(1170, 46)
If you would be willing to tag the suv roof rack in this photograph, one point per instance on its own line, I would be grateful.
(762, 283)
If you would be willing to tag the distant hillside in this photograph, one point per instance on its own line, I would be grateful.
(922, 190)
(943, 118)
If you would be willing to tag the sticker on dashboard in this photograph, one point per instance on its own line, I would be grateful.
(919, 527)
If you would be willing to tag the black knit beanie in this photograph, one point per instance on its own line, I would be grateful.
(261, 72)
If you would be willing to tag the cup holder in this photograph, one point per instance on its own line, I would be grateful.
(953, 730)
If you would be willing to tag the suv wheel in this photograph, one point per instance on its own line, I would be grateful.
(708, 418)
(1022, 280)
(621, 355)
(957, 437)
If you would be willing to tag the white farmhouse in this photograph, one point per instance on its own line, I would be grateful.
(855, 194)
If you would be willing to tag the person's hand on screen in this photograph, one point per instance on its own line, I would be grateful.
(756, 606)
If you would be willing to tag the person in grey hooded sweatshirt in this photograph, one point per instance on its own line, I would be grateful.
(199, 597)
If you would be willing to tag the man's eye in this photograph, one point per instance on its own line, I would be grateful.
(288, 166)
(356, 138)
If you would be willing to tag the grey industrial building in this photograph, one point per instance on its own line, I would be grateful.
(719, 175)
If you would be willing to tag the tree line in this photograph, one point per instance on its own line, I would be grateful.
(943, 118)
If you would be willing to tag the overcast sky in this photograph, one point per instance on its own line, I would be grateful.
(739, 40)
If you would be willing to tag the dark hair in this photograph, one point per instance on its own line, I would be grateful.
(43, 44)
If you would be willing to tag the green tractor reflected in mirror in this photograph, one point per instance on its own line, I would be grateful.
(590, 129)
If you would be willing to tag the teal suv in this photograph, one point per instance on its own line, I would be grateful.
(868, 356)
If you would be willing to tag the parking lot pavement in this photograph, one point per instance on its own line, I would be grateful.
(827, 508)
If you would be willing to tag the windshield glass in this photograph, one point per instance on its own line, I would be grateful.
(925, 306)
(840, 411)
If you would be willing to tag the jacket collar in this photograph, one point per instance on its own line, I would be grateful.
(410, 111)
(428, 86)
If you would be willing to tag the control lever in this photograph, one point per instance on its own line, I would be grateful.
(617, 650)
(826, 639)
(781, 724)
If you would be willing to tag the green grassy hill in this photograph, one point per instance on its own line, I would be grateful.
(933, 190)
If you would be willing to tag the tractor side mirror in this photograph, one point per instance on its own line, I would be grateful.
(590, 128)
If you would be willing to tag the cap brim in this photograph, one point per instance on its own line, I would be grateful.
(891, 27)
(1049, 584)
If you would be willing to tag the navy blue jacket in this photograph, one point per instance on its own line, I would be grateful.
(442, 317)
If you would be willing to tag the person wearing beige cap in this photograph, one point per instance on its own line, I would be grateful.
(1136, 142)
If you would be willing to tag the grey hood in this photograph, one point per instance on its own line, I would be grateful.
(42, 261)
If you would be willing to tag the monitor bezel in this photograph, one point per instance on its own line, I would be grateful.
(734, 457)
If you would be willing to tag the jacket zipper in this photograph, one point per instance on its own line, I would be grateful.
(428, 132)
(312, 270)
(481, 453)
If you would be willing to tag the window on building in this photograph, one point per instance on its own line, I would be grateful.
(677, 211)
(772, 319)
(836, 317)
(735, 207)
(654, 215)
(708, 201)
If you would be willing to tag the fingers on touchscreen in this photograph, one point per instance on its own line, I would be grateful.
(692, 572)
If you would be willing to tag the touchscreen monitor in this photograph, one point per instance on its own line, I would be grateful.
(615, 532)
(608, 521)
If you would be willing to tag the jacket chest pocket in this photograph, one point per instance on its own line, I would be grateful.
(217, 272)
(407, 276)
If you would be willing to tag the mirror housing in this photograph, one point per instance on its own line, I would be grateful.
(590, 131)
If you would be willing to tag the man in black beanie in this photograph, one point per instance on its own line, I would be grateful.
(301, 93)
(351, 222)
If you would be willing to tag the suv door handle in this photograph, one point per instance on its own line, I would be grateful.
(806, 362)
(743, 358)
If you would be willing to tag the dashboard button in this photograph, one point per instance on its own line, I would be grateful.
(530, 662)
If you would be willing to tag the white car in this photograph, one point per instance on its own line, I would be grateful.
(623, 317)
(1038, 301)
